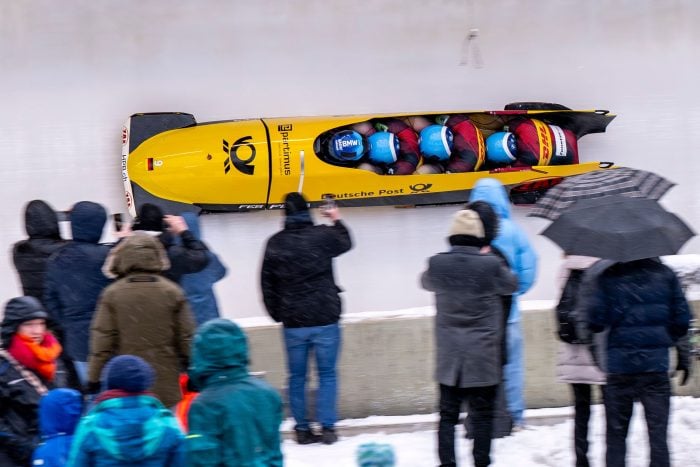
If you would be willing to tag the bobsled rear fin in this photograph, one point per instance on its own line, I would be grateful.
(146, 125)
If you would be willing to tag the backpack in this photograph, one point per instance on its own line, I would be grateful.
(565, 308)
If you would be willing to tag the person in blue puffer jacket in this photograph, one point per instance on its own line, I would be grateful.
(642, 307)
(199, 286)
(512, 242)
(59, 414)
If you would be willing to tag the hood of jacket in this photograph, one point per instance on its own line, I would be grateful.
(17, 311)
(87, 221)
(41, 221)
(139, 252)
(493, 192)
(131, 428)
(219, 354)
(59, 412)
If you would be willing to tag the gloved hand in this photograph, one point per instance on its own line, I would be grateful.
(93, 387)
(684, 373)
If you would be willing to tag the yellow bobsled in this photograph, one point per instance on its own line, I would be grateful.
(171, 160)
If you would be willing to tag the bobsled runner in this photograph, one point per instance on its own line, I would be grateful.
(363, 160)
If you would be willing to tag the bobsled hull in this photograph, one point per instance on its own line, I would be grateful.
(171, 160)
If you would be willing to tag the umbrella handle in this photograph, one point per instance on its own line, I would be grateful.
(605, 165)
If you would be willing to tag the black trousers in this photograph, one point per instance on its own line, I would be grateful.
(653, 390)
(582, 406)
(481, 402)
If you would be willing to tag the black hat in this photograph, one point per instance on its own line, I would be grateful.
(17, 311)
(295, 203)
(150, 218)
(488, 217)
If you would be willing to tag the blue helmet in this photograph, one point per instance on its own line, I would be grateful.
(501, 147)
(436, 143)
(346, 145)
(383, 147)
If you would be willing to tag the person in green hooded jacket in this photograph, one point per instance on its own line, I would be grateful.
(236, 418)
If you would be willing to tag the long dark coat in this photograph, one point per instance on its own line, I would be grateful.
(143, 314)
(469, 324)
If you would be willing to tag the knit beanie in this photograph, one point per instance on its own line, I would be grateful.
(295, 203)
(375, 455)
(128, 373)
(150, 218)
(467, 222)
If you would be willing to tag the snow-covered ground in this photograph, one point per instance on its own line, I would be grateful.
(550, 445)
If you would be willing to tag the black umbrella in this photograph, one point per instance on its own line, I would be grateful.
(619, 228)
(604, 182)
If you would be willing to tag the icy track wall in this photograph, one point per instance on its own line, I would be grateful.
(72, 75)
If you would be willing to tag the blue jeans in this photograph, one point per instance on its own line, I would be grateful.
(324, 341)
(513, 380)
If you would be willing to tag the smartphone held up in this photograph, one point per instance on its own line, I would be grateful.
(328, 205)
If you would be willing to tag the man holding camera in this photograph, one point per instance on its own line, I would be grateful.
(186, 253)
(299, 291)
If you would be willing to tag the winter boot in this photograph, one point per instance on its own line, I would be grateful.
(306, 436)
(328, 436)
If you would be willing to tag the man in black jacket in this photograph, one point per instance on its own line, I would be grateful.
(186, 253)
(299, 291)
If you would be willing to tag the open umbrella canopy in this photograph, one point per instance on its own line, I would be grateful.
(619, 228)
(604, 182)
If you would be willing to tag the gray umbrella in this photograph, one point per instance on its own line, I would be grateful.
(613, 181)
(619, 228)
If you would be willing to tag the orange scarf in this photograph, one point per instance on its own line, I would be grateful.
(37, 357)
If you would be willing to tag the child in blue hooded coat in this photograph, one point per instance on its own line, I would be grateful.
(59, 414)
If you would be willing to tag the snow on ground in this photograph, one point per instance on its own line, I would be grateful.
(550, 445)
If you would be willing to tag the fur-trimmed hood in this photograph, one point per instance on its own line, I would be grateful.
(139, 252)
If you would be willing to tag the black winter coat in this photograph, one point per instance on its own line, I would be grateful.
(297, 280)
(19, 416)
(643, 307)
(30, 256)
(187, 256)
(74, 279)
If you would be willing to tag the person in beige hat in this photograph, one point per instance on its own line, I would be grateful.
(469, 282)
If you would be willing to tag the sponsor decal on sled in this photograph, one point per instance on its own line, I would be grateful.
(244, 166)
(421, 187)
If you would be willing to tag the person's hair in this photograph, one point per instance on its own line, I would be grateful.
(488, 217)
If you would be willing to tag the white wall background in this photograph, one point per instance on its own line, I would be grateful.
(71, 72)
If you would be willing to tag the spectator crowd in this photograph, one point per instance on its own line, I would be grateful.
(116, 355)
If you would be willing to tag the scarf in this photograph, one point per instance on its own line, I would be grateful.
(39, 357)
(117, 393)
